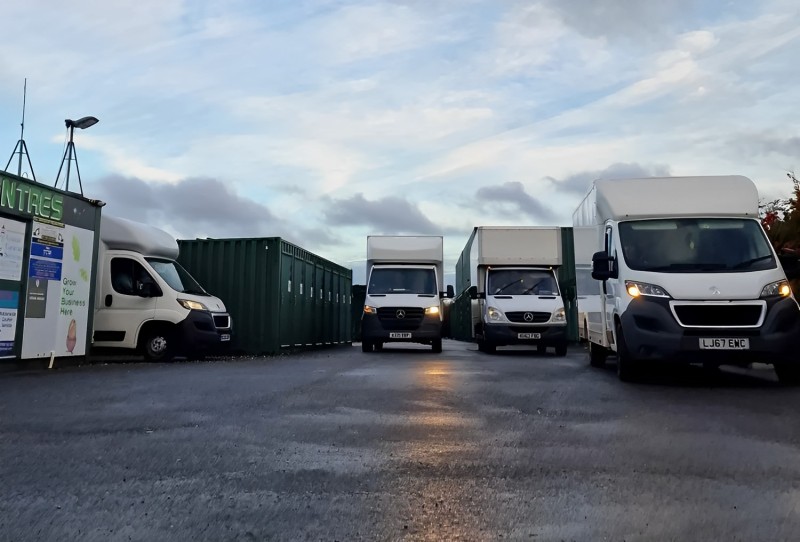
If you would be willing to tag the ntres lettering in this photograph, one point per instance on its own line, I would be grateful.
(33, 200)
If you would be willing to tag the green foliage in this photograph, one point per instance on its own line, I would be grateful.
(782, 220)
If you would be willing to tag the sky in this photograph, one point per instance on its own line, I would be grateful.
(326, 121)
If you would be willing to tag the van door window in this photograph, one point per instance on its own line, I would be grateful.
(127, 275)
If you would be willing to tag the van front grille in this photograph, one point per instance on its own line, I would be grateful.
(719, 315)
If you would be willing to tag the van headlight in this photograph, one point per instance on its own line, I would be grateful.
(432, 310)
(637, 289)
(370, 310)
(191, 305)
(780, 288)
(559, 315)
(495, 315)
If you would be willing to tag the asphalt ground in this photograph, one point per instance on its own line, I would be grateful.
(397, 445)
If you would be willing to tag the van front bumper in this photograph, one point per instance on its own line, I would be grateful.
(199, 332)
(373, 330)
(652, 333)
(509, 334)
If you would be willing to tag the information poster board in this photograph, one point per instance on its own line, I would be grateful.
(57, 301)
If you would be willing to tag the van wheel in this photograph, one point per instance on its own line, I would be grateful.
(366, 346)
(486, 347)
(436, 346)
(788, 373)
(378, 346)
(597, 355)
(541, 349)
(561, 350)
(158, 344)
(627, 369)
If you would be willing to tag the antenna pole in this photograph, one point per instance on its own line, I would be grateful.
(22, 124)
(23, 148)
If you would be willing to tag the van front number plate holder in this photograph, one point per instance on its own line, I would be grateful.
(724, 344)
(529, 335)
(396, 335)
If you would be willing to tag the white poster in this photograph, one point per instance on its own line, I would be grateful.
(12, 243)
(59, 277)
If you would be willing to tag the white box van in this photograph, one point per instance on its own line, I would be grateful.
(510, 275)
(146, 301)
(684, 273)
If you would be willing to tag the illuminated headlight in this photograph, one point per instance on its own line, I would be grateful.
(192, 305)
(494, 314)
(370, 310)
(559, 315)
(432, 310)
(636, 289)
(780, 288)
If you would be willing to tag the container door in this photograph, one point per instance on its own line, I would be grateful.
(285, 318)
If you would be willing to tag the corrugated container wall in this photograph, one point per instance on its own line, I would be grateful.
(568, 283)
(279, 295)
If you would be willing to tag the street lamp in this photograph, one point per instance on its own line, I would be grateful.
(69, 153)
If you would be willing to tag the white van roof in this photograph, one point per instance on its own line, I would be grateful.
(122, 234)
(666, 197)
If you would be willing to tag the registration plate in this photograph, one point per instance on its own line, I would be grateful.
(724, 344)
(225, 337)
(399, 335)
(529, 335)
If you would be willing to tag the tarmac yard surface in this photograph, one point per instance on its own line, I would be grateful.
(397, 445)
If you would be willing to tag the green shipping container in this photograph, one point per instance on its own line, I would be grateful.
(568, 283)
(279, 295)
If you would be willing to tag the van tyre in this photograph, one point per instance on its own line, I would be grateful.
(158, 344)
(597, 355)
(487, 347)
(436, 346)
(541, 349)
(366, 346)
(788, 373)
(561, 350)
(627, 369)
(378, 346)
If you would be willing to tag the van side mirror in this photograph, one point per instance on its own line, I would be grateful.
(603, 267)
(473, 292)
(451, 293)
(147, 289)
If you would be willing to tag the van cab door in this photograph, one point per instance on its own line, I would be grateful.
(128, 300)
(610, 290)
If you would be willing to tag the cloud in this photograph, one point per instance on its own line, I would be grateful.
(768, 144)
(578, 183)
(513, 194)
(389, 215)
(195, 206)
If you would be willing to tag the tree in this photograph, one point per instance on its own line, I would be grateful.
(781, 220)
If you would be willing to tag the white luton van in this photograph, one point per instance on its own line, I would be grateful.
(146, 301)
(684, 273)
(510, 275)
(405, 275)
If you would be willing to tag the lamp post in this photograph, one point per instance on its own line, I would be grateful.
(69, 152)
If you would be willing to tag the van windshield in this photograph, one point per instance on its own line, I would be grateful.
(521, 282)
(402, 281)
(176, 276)
(695, 245)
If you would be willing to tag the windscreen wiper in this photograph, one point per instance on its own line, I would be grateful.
(512, 283)
(751, 261)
